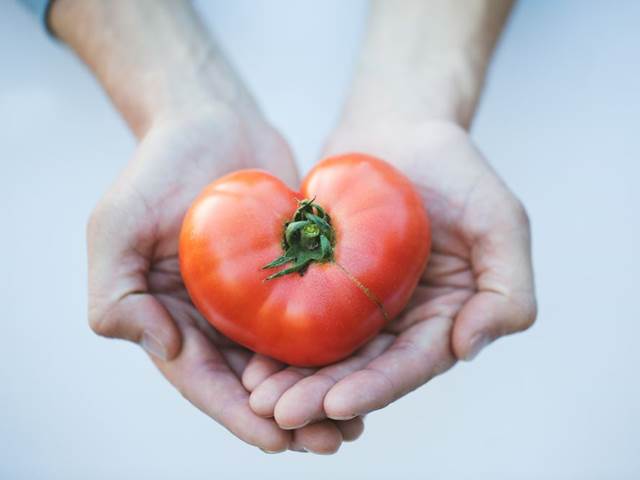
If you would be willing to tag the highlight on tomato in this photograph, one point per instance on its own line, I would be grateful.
(305, 277)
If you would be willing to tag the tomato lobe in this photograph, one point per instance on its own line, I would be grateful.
(361, 273)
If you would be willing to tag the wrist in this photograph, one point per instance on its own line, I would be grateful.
(155, 59)
(445, 89)
(171, 95)
(425, 60)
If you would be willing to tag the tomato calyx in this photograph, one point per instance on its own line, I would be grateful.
(307, 238)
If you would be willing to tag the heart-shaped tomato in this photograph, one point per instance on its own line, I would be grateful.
(342, 257)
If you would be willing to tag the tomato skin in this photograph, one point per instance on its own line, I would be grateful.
(235, 227)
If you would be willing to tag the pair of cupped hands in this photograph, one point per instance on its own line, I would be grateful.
(477, 286)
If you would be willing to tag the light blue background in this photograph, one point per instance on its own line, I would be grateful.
(560, 121)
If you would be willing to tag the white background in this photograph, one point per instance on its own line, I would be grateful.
(560, 121)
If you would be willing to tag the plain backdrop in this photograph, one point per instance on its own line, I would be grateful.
(559, 120)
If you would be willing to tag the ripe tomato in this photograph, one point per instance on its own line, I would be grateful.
(305, 281)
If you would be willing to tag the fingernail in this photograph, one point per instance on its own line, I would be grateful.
(153, 346)
(295, 427)
(346, 417)
(299, 449)
(478, 342)
(270, 452)
(322, 453)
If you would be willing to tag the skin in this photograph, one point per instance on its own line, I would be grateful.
(472, 284)
(195, 122)
(235, 227)
(412, 102)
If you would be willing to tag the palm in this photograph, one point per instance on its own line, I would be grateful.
(473, 216)
(461, 193)
(156, 198)
(201, 152)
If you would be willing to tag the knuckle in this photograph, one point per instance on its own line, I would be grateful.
(96, 219)
(531, 314)
(520, 214)
(99, 322)
(527, 314)
(98, 326)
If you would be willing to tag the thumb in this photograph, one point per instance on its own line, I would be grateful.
(140, 318)
(505, 300)
(120, 305)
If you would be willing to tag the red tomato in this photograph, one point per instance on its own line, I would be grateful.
(355, 248)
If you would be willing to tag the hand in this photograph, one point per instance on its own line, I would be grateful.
(407, 100)
(135, 288)
(195, 120)
(477, 286)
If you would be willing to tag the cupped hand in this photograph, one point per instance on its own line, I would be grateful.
(135, 288)
(477, 287)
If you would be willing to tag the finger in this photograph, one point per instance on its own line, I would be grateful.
(323, 438)
(259, 368)
(416, 356)
(237, 358)
(505, 299)
(351, 429)
(265, 396)
(204, 378)
(303, 402)
(119, 305)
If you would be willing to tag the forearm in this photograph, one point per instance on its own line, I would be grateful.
(425, 59)
(153, 57)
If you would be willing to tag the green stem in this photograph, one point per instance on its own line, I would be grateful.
(310, 236)
(307, 238)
